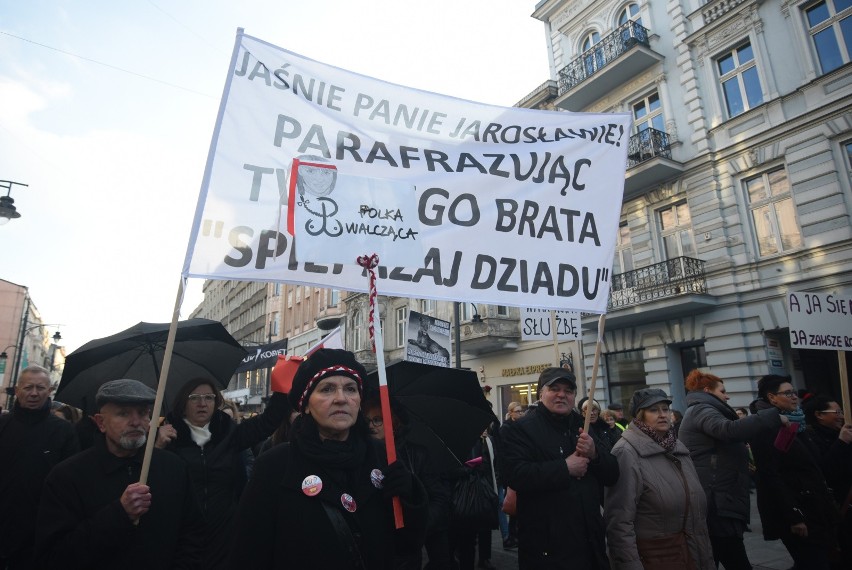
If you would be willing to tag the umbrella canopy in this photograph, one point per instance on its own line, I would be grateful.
(444, 409)
(202, 348)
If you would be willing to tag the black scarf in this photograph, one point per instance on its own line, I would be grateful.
(335, 455)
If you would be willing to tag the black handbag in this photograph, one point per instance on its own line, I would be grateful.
(475, 505)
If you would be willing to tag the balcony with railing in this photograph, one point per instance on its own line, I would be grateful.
(649, 161)
(664, 290)
(611, 62)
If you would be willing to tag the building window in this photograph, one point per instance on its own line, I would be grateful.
(427, 306)
(275, 324)
(289, 298)
(629, 12)
(772, 212)
(830, 27)
(502, 311)
(594, 59)
(648, 113)
(333, 297)
(277, 290)
(625, 375)
(692, 357)
(676, 231)
(401, 321)
(357, 330)
(847, 147)
(740, 83)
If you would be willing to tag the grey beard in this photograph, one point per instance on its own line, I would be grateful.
(131, 443)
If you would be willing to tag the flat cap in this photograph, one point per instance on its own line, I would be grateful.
(647, 397)
(615, 406)
(550, 375)
(124, 391)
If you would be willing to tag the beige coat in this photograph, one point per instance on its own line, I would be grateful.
(648, 501)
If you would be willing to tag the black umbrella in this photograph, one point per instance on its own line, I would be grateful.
(444, 409)
(202, 348)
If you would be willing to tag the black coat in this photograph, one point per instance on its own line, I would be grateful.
(716, 440)
(218, 470)
(32, 442)
(559, 517)
(835, 460)
(82, 525)
(791, 489)
(279, 526)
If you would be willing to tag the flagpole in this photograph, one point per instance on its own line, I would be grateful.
(591, 393)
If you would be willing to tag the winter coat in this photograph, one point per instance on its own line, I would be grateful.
(649, 501)
(218, 470)
(716, 439)
(82, 525)
(835, 460)
(32, 442)
(280, 525)
(559, 518)
(791, 489)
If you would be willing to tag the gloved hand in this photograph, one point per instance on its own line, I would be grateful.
(398, 481)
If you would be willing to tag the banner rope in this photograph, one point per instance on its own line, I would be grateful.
(370, 262)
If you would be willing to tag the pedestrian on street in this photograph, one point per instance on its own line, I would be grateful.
(95, 514)
(323, 500)
(658, 504)
(557, 472)
(32, 442)
(793, 499)
(716, 440)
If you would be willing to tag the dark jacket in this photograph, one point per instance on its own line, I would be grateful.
(278, 525)
(791, 489)
(82, 525)
(218, 470)
(559, 518)
(716, 439)
(835, 460)
(32, 442)
(605, 434)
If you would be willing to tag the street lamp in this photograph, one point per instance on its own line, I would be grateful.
(457, 316)
(7, 204)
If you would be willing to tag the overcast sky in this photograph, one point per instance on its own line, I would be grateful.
(107, 108)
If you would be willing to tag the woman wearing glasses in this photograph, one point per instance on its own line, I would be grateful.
(793, 499)
(213, 446)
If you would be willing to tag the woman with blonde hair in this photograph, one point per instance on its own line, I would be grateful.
(513, 411)
(716, 441)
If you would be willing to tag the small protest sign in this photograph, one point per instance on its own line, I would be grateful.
(427, 340)
(536, 324)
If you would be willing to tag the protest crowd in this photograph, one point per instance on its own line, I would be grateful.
(308, 482)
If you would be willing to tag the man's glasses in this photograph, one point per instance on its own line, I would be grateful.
(202, 398)
(787, 393)
(376, 422)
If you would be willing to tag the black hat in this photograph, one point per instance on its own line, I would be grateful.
(615, 406)
(321, 364)
(126, 392)
(551, 375)
(647, 397)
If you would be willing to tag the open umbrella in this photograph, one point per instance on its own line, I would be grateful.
(202, 348)
(444, 408)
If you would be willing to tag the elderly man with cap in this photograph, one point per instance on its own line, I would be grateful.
(557, 472)
(617, 409)
(323, 500)
(96, 514)
(32, 441)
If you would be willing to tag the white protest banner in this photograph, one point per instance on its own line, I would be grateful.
(821, 321)
(366, 215)
(536, 324)
(515, 206)
(427, 340)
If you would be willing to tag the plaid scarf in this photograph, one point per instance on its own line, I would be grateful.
(667, 441)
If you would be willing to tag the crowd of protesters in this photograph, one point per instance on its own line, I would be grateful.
(307, 484)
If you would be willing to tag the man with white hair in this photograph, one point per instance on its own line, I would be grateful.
(32, 441)
(96, 514)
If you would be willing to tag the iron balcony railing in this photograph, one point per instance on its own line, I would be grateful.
(671, 278)
(624, 38)
(647, 144)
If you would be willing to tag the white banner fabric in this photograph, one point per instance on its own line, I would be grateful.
(515, 206)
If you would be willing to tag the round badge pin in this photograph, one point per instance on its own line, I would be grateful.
(348, 502)
(311, 485)
(376, 478)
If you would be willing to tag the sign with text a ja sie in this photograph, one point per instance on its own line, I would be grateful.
(820, 321)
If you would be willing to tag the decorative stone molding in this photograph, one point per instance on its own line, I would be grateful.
(712, 11)
(735, 28)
